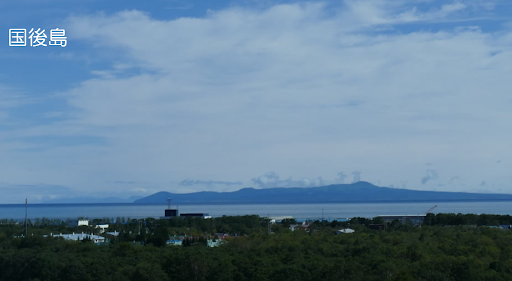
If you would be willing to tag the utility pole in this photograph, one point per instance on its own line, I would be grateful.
(322, 214)
(26, 213)
(269, 224)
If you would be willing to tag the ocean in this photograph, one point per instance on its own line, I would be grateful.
(300, 211)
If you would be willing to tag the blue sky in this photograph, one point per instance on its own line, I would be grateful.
(187, 96)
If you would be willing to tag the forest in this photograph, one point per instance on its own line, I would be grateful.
(445, 247)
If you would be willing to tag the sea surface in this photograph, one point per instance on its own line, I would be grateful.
(300, 211)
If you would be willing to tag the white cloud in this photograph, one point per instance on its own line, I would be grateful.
(368, 13)
(10, 97)
(272, 179)
(35, 193)
(453, 7)
(289, 89)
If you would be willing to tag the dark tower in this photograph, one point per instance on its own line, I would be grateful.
(170, 212)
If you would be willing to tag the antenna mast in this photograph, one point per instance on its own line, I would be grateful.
(169, 200)
(26, 226)
(430, 210)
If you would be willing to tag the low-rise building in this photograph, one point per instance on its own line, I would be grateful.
(112, 233)
(414, 219)
(222, 235)
(178, 241)
(304, 226)
(345, 230)
(73, 223)
(175, 242)
(214, 243)
(196, 215)
(102, 227)
(380, 226)
(79, 237)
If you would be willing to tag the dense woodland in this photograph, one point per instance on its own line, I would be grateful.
(445, 247)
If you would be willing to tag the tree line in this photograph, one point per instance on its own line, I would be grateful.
(444, 248)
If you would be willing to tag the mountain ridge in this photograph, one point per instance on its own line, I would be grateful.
(335, 193)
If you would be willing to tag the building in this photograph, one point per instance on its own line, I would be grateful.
(196, 215)
(175, 242)
(171, 212)
(79, 237)
(414, 219)
(345, 230)
(304, 226)
(74, 223)
(209, 242)
(112, 233)
(380, 226)
(102, 227)
(222, 235)
(214, 243)
(279, 219)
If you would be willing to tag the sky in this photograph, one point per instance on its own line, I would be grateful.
(186, 96)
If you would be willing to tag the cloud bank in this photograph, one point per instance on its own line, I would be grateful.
(302, 88)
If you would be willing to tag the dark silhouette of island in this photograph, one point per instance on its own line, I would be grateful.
(337, 193)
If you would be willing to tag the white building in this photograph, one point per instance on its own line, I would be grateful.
(102, 227)
(79, 237)
(280, 218)
(346, 230)
(78, 223)
(113, 233)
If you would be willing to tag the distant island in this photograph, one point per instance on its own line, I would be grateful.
(337, 193)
